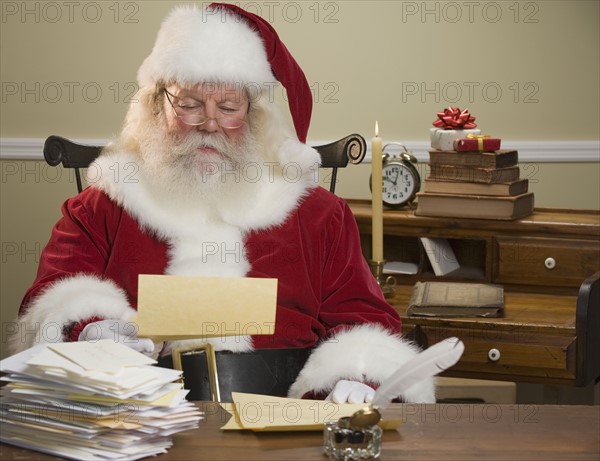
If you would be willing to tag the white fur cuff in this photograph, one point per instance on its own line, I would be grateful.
(365, 353)
(67, 301)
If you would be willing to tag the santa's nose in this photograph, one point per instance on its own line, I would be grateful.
(209, 126)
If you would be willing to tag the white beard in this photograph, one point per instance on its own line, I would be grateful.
(255, 182)
(179, 172)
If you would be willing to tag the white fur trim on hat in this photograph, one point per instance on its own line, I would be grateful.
(365, 353)
(197, 45)
(69, 300)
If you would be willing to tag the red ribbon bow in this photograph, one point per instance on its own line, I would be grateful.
(454, 119)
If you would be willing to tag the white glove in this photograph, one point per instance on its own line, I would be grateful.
(119, 331)
(351, 392)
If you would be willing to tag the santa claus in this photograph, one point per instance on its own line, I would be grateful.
(207, 179)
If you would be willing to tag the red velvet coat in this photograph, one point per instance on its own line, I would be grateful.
(327, 297)
(324, 281)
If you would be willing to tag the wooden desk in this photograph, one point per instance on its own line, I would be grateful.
(549, 266)
(430, 432)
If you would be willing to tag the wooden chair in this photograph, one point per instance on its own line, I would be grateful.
(334, 155)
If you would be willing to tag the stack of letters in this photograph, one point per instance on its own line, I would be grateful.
(92, 401)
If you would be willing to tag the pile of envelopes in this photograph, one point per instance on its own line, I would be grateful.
(92, 401)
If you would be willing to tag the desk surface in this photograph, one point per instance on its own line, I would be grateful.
(430, 432)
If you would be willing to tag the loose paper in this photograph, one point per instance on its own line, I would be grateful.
(440, 254)
(400, 267)
(187, 307)
(98, 355)
(258, 412)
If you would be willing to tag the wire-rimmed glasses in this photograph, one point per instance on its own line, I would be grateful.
(194, 115)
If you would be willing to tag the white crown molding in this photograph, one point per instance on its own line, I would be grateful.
(529, 151)
(33, 148)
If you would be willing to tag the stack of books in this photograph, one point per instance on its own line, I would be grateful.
(484, 185)
(92, 401)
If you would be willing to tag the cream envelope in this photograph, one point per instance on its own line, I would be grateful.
(186, 307)
(266, 413)
(104, 354)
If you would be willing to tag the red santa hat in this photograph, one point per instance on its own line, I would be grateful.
(224, 43)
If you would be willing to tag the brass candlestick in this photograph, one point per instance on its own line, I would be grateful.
(386, 284)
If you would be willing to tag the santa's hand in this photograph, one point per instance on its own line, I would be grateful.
(119, 331)
(351, 392)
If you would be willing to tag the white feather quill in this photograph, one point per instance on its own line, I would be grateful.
(425, 364)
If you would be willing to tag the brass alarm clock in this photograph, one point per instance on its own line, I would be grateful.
(401, 179)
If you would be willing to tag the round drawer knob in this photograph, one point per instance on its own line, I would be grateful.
(494, 355)
(550, 263)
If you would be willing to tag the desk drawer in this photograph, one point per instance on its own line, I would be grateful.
(543, 261)
(519, 353)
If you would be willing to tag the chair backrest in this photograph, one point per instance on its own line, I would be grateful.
(338, 154)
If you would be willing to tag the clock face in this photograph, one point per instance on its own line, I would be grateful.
(399, 184)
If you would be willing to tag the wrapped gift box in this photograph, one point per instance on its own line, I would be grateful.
(444, 139)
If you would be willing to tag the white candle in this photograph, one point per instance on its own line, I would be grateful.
(376, 196)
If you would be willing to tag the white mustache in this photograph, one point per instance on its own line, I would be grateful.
(193, 142)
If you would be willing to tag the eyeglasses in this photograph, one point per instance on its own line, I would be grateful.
(194, 115)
